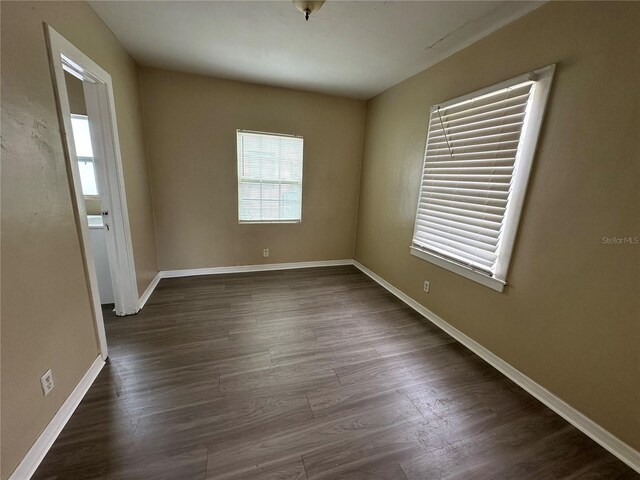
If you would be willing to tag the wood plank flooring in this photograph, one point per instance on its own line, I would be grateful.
(306, 374)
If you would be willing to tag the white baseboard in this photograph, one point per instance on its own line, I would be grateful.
(252, 268)
(147, 293)
(613, 444)
(39, 449)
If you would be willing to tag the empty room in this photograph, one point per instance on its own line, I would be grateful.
(320, 240)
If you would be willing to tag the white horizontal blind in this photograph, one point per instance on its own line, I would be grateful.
(269, 177)
(469, 169)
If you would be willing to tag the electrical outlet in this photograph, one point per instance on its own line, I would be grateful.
(426, 287)
(47, 382)
(265, 252)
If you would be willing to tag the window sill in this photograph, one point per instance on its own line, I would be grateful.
(493, 283)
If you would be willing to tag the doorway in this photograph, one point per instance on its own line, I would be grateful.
(86, 111)
(95, 206)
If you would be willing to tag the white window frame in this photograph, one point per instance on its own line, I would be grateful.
(522, 169)
(282, 135)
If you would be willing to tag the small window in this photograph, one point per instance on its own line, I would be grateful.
(84, 152)
(269, 177)
(478, 157)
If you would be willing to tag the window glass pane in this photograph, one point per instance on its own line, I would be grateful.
(88, 178)
(81, 136)
(291, 198)
(270, 210)
(250, 191)
(84, 152)
(270, 191)
(250, 210)
(290, 211)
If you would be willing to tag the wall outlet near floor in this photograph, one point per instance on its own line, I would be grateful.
(47, 382)
(426, 287)
(265, 252)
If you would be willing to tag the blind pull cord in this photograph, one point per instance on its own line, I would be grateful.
(446, 138)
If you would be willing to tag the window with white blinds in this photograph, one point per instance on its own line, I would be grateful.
(269, 177)
(478, 156)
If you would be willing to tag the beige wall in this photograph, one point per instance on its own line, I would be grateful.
(191, 123)
(570, 318)
(46, 314)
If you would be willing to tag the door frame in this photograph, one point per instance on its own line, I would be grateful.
(98, 91)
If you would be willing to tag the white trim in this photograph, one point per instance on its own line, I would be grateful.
(100, 101)
(252, 268)
(447, 264)
(39, 449)
(55, 44)
(147, 293)
(531, 130)
(610, 442)
(98, 91)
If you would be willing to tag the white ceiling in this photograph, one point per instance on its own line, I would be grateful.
(350, 48)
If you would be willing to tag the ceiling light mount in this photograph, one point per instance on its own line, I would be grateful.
(307, 7)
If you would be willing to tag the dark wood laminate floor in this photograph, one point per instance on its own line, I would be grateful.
(306, 374)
